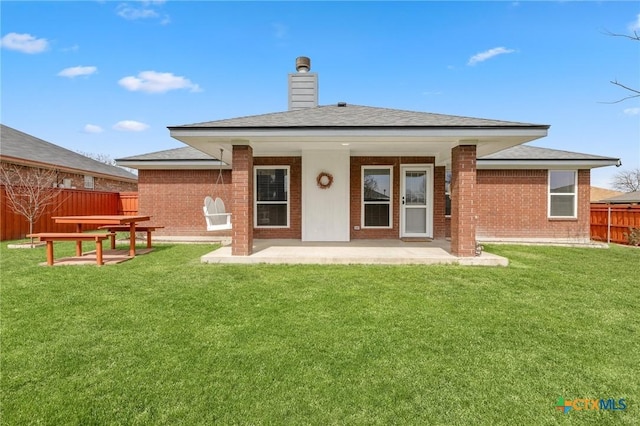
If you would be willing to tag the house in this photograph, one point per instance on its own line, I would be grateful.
(598, 194)
(342, 172)
(73, 170)
(624, 198)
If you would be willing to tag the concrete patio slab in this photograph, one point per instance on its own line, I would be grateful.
(388, 252)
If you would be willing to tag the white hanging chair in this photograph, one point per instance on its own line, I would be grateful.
(215, 214)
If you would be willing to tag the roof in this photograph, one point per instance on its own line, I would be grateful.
(527, 152)
(598, 194)
(355, 116)
(627, 197)
(532, 157)
(186, 153)
(22, 146)
(177, 158)
(520, 152)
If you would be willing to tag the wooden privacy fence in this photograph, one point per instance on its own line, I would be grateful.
(68, 202)
(128, 203)
(610, 222)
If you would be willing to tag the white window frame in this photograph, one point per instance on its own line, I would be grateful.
(573, 194)
(447, 190)
(89, 182)
(363, 203)
(255, 197)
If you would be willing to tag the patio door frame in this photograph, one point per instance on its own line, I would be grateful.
(428, 169)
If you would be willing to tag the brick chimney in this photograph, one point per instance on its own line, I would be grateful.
(303, 86)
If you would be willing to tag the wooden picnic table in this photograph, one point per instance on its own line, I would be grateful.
(130, 220)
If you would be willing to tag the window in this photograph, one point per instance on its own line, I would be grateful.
(88, 182)
(271, 197)
(562, 193)
(376, 197)
(447, 193)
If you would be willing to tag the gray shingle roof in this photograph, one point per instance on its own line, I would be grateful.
(526, 152)
(330, 116)
(629, 197)
(520, 152)
(186, 153)
(20, 145)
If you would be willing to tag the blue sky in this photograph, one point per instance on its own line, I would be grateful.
(108, 77)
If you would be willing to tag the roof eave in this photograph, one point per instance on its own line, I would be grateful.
(173, 164)
(32, 163)
(546, 164)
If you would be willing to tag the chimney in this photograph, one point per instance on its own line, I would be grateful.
(303, 86)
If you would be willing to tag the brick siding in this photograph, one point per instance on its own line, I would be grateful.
(509, 203)
(77, 180)
(514, 204)
(295, 198)
(356, 194)
(463, 200)
(242, 201)
(174, 199)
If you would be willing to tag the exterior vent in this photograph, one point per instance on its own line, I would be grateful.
(303, 86)
(342, 104)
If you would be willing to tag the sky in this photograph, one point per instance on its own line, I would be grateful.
(108, 77)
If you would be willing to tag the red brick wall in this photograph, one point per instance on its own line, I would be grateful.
(463, 200)
(356, 194)
(77, 180)
(295, 198)
(242, 200)
(174, 199)
(513, 204)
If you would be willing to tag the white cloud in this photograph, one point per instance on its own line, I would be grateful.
(25, 43)
(635, 25)
(157, 82)
(632, 111)
(130, 126)
(143, 10)
(92, 128)
(132, 13)
(488, 54)
(77, 71)
(73, 48)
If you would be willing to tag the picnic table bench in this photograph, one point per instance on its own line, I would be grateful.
(126, 228)
(50, 237)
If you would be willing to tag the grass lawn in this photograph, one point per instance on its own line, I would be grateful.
(163, 339)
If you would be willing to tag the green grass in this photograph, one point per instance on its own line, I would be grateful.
(163, 339)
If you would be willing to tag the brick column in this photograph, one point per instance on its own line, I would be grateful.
(242, 200)
(463, 203)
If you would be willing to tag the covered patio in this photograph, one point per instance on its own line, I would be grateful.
(378, 252)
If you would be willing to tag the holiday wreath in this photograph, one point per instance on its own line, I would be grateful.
(324, 180)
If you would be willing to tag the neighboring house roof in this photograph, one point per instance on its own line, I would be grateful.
(342, 115)
(508, 157)
(536, 157)
(20, 147)
(627, 197)
(599, 194)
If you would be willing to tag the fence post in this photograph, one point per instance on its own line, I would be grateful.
(608, 223)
